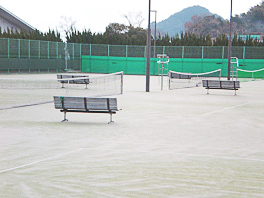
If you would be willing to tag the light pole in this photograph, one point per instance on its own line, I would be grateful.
(155, 33)
(229, 45)
(148, 53)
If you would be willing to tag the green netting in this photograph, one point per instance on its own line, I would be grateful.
(102, 64)
(14, 48)
(137, 65)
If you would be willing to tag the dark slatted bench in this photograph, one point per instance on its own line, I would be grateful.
(74, 81)
(220, 84)
(86, 105)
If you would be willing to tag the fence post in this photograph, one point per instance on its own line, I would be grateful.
(182, 52)
(18, 48)
(57, 50)
(73, 51)
(223, 52)
(202, 70)
(90, 49)
(80, 57)
(8, 48)
(48, 49)
(244, 52)
(29, 49)
(39, 49)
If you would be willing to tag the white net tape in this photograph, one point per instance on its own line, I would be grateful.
(254, 74)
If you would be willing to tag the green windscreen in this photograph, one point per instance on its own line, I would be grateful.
(137, 65)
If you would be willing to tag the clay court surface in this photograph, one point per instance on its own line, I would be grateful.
(170, 143)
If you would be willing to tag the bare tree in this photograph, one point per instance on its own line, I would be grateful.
(67, 25)
(134, 19)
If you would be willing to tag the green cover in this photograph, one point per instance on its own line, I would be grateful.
(137, 65)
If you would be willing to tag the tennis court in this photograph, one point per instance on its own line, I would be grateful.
(170, 143)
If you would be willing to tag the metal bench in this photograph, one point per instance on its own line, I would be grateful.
(220, 84)
(74, 81)
(86, 105)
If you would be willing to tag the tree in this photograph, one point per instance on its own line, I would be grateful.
(208, 25)
(67, 25)
(134, 19)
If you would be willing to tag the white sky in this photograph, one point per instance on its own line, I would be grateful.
(96, 15)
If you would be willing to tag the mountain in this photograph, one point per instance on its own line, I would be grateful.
(175, 23)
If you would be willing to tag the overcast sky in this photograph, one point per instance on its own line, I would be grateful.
(96, 15)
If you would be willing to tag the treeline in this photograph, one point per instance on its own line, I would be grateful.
(138, 36)
(119, 34)
(51, 35)
(115, 34)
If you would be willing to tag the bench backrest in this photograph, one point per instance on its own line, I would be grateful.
(221, 84)
(77, 81)
(85, 103)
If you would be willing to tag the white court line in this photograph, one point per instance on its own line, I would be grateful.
(32, 163)
(225, 109)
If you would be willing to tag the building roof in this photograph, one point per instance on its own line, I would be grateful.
(5, 14)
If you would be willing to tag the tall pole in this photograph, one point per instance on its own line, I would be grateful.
(229, 44)
(155, 33)
(148, 50)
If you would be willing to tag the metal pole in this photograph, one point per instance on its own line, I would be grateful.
(162, 67)
(229, 44)
(148, 50)
(155, 33)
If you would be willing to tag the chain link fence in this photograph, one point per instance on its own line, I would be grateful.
(29, 55)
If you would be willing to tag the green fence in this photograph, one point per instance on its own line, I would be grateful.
(18, 55)
(21, 55)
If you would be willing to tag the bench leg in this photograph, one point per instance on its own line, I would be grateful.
(111, 120)
(65, 119)
(207, 90)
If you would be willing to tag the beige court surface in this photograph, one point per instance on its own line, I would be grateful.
(169, 143)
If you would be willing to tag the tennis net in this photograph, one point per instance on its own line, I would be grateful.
(99, 85)
(28, 90)
(252, 74)
(184, 80)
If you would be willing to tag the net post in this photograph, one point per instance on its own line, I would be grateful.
(169, 76)
(122, 82)
(161, 60)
